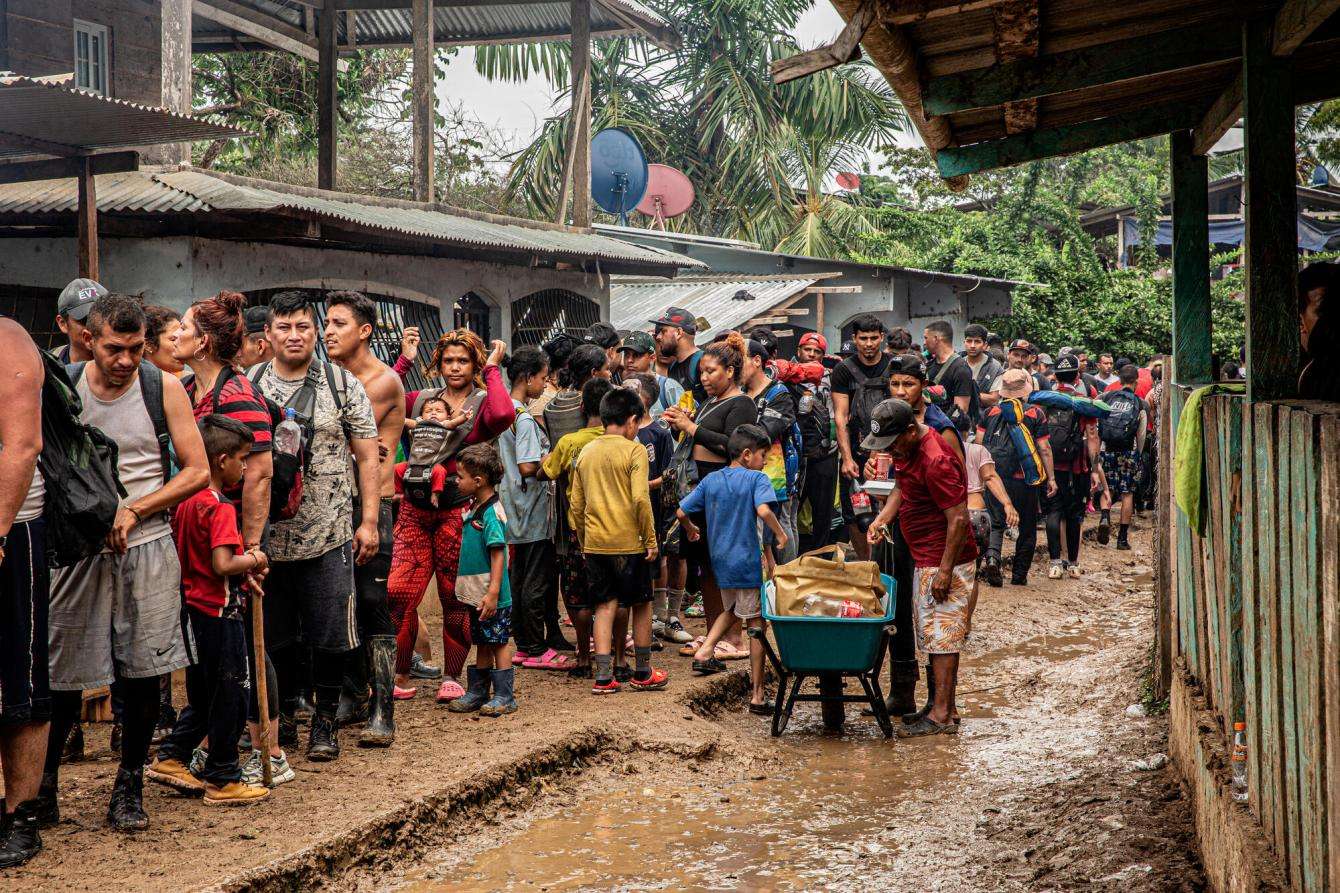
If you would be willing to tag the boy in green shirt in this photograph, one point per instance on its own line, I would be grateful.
(481, 583)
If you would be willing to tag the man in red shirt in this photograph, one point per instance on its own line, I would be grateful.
(930, 501)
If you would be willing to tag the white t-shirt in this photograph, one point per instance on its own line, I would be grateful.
(975, 457)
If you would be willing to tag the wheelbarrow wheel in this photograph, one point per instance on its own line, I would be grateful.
(832, 708)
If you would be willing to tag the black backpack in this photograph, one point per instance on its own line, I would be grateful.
(286, 483)
(1063, 434)
(815, 420)
(1118, 428)
(870, 392)
(79, 468)
(1000, 445)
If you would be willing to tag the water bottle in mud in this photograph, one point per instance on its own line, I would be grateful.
(288, 434)
(1239, 761)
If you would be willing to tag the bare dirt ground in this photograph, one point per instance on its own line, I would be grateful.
(682, 789)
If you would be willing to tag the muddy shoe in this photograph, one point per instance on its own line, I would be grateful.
(19, 839)
(422, 669)
(476, 695)
(235, 793)
(764, 709)
(1055, 571)
(1123, 543)
(175, 774)
(45, 804)
(1104, 529)
(991, 573)
(323, 744)
(125, 812)
(73, 750)
(926, 726)
(708, 667)
(288, 730)
(380, 730)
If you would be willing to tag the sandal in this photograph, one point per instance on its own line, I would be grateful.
(726, 651)
(691, 648)
(519, 659)
(764, 709)
(549, 660)
(708, 667)
(926, 726)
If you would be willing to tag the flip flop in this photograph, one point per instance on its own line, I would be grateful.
(549, 660)
(764, 709)
(925, 726)
(519, 659)
(708, 667)
(562, 663)
(726, 651)
(690, 649)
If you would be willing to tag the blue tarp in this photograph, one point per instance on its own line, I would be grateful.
(1313, 234)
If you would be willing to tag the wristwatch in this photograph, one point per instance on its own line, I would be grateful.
(4, 541)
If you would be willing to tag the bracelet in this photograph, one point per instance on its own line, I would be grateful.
(138, 519)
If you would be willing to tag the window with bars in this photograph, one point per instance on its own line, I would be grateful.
(90, 57)
(540, 316)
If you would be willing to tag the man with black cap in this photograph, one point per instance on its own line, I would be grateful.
(639, 353)
(1074, 445)
(930, 503)
(72, 308)
(674, 341)
(255, 346)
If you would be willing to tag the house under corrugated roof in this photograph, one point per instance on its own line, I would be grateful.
(722, 301)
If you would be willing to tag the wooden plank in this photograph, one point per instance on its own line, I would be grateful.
(911, 12)
(1191, 262)
(1269, 453)
(1307, 653)
(834, 290)
(1271, 249)
(269, 30)
(87, 215)
(1163, 585)
(1223, 113)
(1329, 530)
(1223, 520)
(846, 48)
(1230, 482)
(1289, 794)
(327, 99)
(424, 99)
(581, 85)
(1211, 583)
(1296, 20)
(1251, 640)
(56, 168)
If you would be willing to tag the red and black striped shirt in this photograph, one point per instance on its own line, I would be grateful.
(238, 400)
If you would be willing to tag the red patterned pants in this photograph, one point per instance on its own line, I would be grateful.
(427, 543)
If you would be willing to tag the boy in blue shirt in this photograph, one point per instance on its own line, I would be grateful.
(735, 500)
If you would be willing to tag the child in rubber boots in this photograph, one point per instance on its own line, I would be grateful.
(213, 564)
(482, 584)
(735, 500)
(612, 518)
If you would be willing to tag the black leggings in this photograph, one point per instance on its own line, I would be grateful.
(1025, 499)
(1067, 507)
(139, 715)
(820, 492)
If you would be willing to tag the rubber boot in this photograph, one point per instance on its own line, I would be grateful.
(902, 687)
(380, 730)
(476, 692)
(45, 804)
(126, 812)
(916, 716)
(503, 700)
(19, 840)
(354, 706)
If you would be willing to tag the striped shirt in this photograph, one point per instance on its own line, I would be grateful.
(237, 400)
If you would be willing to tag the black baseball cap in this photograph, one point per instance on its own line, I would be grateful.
(890, 418)
(1023, 344)
(1067, 362)
(907, 364)
(256, 319)
(679, 318)
(602, 334)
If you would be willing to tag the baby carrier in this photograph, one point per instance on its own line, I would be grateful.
(433, 444)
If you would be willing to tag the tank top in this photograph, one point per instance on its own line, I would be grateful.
(140, 465)
(34, 502)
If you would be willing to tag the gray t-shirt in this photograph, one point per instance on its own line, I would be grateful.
(325, 517)
(526, 502)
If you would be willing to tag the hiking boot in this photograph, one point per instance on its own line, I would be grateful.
(503, 700)
(323, 742)
(125, 812)
(175, 774)
(991, 572)
(675, 632)
(1018, 580)
(1123, 544)
(476, 691)
(19, 840)
(288, 730)
(235, 793)
(1104, 528)
(354, 703)
(45, 805)
(422, 669)
(380, 730)
(73, 749)
(1056, 571)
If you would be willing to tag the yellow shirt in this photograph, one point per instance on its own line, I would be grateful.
(565, 452)
(611, 504)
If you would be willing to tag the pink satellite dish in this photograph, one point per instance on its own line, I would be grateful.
(848, 181)
(669, 194)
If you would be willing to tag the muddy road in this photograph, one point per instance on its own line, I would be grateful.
(1047, 786)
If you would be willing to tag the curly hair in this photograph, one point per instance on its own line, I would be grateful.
(220, 317)
(158, 320)
(467, 339)
(730, 353)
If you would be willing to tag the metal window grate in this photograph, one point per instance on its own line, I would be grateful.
(472, 312)
(35, 310)
(540, 316)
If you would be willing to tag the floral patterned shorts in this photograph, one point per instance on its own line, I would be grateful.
(942, 627)
(1122, 469)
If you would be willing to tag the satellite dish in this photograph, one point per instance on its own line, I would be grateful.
(1321, 176)
(669, 194)
(848, 181)
(618, 172)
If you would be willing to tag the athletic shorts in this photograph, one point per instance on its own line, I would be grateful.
(25, 594)
(118, 615)
(625, 578)
(942, 627)
(497, 630)
(312, 600)
(1122, 469)
(744, 603)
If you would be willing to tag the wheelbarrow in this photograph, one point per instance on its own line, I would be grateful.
(829, 649)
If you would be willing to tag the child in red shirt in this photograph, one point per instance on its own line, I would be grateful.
(209, 546)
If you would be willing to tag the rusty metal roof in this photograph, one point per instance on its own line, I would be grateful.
(46, 116)
(718, 299)
(457, 23)
(378, 224)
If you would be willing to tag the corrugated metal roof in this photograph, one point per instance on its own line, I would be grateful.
(635, 302)
(464, 23)
(190, 191)
(54, 118)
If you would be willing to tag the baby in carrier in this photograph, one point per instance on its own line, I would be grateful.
(422, 478)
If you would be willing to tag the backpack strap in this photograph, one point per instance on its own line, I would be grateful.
(945, 367)
(151, 388)
(340, 392)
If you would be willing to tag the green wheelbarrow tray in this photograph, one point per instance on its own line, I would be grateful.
(829, 648)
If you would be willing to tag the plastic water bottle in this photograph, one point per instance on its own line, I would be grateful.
(1239, 761)
(823, 606)
(288, 434)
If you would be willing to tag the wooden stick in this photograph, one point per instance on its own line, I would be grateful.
(262, 689)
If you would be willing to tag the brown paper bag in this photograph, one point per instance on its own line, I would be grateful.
(810, 574)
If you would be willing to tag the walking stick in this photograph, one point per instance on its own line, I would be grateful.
(262, 692)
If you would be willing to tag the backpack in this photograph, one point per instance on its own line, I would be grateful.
(1000, 445)
(431, 445)
(870, 392)
(79, 467)
(1063, 434)
(784, 467)
(286, 483)
(1118, 428)
(815, 421)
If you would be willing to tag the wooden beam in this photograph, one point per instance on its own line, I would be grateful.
(845, 49)
(581, 96)
(1224, 112)
(819, 313)
(1271, 246)
(269, 30)
(1296, 20)
(1031, 77)
(912, 12)
(87, 218)
(834, 290)
(58, 168)
(1191, 262)
(424, 99)
(569, 156)
(327, 99)
(1015, 28)
(407, 4)
(38, 146)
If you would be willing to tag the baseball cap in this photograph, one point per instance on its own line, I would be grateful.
(1015, 383)
(638, 343)
(907, 364)
(813, 339)
(1067, 362)
(847, 349)
(1046, 359)
(889, 419)
(255, 319)
(602, 334)
(679, 318)
(77, 298)
(1022, 344)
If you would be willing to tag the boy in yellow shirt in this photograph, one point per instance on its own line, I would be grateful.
(613, 521)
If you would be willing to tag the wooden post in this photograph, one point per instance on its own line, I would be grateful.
(327, 97)
(424, 100)
(1191, 262)
(581, 100)
(819, 313)
(88, 221)
(569, 153)
(1271, 217)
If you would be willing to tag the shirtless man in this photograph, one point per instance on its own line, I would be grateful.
(350, 319)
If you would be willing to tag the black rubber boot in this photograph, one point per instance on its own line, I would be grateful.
(916, 716)
(126, 810)
(902, 687)
(45, 804)
(19, 840)
(354, 705)
(991, 572)
(323, 744)
(288, 728)
(380, 730)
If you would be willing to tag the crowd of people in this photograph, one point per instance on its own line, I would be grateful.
(613, 472)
